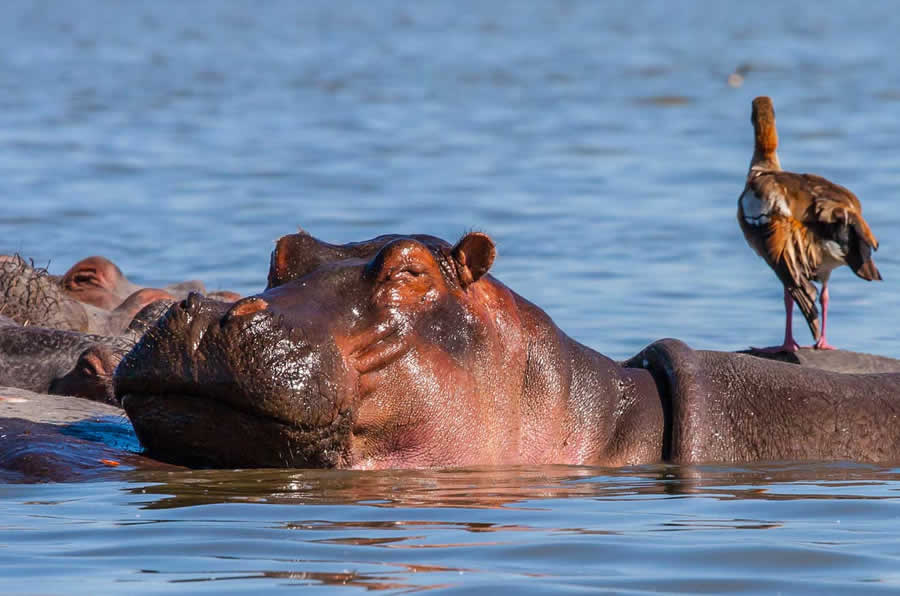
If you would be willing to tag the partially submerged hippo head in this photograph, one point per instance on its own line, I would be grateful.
(357, 355)
(31, 296)
(63, 362)
(402, 352)
(99, 282)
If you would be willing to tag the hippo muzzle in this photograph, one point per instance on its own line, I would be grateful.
(235, 386)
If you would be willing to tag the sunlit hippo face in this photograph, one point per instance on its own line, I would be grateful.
(395, 352)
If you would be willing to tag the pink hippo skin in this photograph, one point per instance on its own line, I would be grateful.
(402, 351)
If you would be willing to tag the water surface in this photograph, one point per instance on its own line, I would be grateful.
(549, 529)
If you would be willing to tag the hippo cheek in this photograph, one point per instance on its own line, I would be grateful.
(236, 387)
(415, 407)
(99, 297)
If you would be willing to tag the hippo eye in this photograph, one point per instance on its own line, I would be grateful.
(405, 273)
(87, 279)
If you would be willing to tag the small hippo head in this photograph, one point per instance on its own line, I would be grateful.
(397, 351)
(97, 281)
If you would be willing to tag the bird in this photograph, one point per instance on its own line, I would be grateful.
(803, 226)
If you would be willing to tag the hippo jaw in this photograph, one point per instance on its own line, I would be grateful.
(215, 385)
(202, 432)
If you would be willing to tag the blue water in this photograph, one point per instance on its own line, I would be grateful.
(599, 144)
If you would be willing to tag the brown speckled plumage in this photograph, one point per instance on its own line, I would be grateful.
(802, 225)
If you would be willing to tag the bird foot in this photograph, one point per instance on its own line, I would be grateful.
(788, 346)
(823, 345)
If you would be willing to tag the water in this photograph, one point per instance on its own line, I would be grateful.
(707, 529)
(601, 147)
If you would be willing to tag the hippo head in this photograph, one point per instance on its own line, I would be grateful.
(97, 281)
(394, 351)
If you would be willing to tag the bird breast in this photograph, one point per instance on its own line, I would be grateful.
(758, 211)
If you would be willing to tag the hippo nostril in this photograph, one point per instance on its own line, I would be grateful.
(245, 307)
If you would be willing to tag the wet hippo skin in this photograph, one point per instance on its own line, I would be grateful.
(68, 362)
(31, 296)
(402, 351)
(724, 407)
(62, 362)
(46, 438)
(833, 360)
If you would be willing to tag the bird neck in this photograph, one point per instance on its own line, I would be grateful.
(764, 161)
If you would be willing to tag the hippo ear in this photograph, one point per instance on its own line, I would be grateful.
(295, 255)
(474, 254)
(93, 271)
(81, 277)
(283, 259)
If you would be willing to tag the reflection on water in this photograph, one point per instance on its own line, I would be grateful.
(697, 528)
(515, 487)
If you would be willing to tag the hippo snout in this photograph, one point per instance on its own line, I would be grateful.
(196, 306)
(242, 361)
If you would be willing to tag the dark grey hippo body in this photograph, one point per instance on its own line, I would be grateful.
(61, 362)
(68, 362)
(834, 360)
(47, 438)
(725, 407)
(50, 342)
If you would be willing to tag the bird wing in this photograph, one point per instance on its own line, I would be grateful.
(834, 214)
(782, 240)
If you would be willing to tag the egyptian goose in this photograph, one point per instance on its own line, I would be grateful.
(803, 226)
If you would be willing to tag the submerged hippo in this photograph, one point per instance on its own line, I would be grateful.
(402, 351)
(61, 362)
(54, 438)
(31, 296)
(99, 282)
(92, 297)
(47, 360)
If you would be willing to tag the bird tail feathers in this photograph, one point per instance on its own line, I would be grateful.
(805, 297)
(859, 256)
